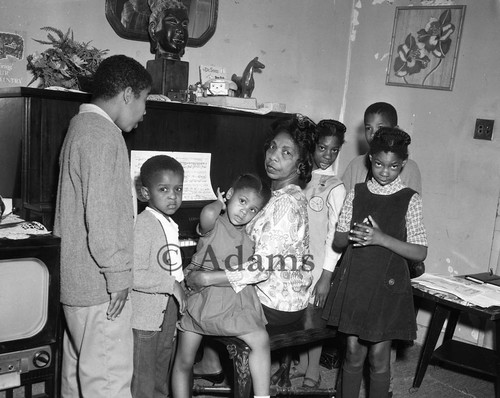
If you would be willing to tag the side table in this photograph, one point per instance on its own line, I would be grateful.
(463, 355)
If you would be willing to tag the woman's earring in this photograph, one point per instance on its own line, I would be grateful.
(300, 168)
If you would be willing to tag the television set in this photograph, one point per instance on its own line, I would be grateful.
(30, 316)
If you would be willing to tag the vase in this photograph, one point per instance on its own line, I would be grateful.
(85, 83)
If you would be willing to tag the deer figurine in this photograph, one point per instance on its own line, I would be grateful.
(246, 82)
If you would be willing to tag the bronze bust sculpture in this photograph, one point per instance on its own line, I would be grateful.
(130, 19)
(168, 32)
(168, 28)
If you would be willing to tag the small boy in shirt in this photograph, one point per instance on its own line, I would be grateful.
(157, 295)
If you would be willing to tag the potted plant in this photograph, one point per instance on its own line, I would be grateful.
(67, 63)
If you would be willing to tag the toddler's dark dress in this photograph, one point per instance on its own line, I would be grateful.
(219, 310)
(371, 295)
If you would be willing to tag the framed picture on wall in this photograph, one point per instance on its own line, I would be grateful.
(424, 47)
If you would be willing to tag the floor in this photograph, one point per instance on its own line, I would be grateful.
(439, 382)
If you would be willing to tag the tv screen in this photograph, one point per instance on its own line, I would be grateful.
(24, 295)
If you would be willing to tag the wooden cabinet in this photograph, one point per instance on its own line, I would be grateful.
(33, 123)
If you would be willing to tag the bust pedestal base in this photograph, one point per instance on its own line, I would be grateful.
(169, 75)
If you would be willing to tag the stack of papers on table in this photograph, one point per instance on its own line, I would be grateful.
(482, 295)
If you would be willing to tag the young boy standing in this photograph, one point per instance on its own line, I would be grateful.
(377, 115)
(157, 276)
(95, 220)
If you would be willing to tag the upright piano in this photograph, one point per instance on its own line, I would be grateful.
(34, 122)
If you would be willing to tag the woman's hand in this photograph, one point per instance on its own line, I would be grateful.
(366, 234)
(196, 281)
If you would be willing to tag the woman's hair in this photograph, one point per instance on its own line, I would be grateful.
(385, 110)
(118, 72)
(390, 139)
(158, 164)
(330, 128)
(251, 181)
(301, 129)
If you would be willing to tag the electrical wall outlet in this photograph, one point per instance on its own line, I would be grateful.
(483, 129)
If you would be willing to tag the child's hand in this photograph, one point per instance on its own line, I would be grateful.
(322, 288)
(180, 296)
(116, 304)
(366, 234)
(221, 198)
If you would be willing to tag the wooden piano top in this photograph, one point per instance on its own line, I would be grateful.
(235, 139)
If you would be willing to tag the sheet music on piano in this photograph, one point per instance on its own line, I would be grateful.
(197, 183)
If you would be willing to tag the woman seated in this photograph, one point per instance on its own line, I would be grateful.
(280, 268)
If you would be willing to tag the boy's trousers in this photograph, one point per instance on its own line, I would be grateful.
(97, 353)
(153, 356)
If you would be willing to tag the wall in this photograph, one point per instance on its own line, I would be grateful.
(460, 182)
(289, 36)
(328, 58)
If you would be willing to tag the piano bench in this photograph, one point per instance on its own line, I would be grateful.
(238, 353)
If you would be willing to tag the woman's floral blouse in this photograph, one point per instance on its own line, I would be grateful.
(280, 267)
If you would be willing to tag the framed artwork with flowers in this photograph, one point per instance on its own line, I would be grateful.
(424, 47)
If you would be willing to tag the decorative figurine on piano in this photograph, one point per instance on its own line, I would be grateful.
(246, 82)
(168, 32)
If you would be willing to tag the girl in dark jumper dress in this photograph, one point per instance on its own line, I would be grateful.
(371, 300)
